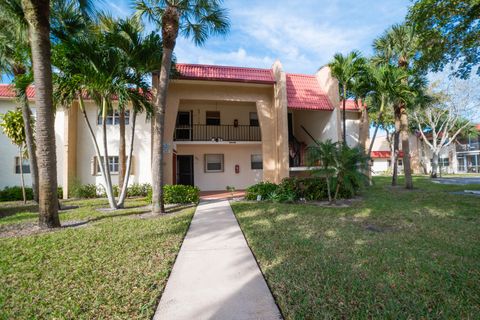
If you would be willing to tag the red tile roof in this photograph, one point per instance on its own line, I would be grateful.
(6, 91)
(384, 154)
(224, 73)
(350, 105)
(304, 92)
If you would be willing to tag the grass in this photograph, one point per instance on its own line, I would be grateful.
(115, 267)
(396, 255)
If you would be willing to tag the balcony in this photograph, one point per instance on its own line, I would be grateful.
(217, 133)
(472, 146)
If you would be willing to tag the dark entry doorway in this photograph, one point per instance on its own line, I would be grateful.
(185, 170)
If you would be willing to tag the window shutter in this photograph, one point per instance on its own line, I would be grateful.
(93, 166)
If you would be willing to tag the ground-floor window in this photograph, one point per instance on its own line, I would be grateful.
(113, 117)
(256, 161)
(399, 162)
(469, 163)
(214, 163)
(25, 165)
(112, 164)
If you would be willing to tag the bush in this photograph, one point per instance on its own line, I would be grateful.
(138, 190)
(15, 194)
(178, 193)
(83, 191)
(263, 189)
(293, 189)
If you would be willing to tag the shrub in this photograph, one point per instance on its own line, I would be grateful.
(263, 189)
(178, 193)
(138, 190)
(15, 194)
(293, 189)
(83, 191)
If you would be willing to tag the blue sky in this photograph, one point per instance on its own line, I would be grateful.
(303, 35)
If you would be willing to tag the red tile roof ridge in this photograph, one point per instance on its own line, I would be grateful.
(220, 66)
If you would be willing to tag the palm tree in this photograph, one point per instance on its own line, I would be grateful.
(398, 46)
(345, 69)
(142, 55)
(37, 14)
(15, 61)
(89, 64)
(323, 153)
(196, 19)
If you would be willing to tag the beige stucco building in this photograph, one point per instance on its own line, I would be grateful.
(225, 126)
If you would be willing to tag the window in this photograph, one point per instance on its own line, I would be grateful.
(213, 118)
(400, 162)
(442, 162)
(214, 163)
(114, 117)
(25, 165)
(254, 119)
(112, 164)
(256, 161)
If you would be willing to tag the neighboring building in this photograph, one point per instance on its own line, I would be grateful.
(468, 154)
(462, 156)
(223, 126)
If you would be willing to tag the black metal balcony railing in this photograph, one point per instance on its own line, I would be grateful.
(202, 132)
(472, 146)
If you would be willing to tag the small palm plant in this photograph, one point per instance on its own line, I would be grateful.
(350, 164)
(324, 154)
(13, 127)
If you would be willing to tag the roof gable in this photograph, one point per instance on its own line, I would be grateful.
(304, 92)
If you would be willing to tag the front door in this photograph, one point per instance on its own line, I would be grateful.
(185, 170)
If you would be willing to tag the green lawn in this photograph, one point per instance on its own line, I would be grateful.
(115, 267)
(396, 255)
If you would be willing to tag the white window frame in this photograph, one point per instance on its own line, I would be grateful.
(222, 163)
(113, 164)
(113, 118)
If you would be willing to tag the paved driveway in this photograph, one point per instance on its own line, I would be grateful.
(458, 181)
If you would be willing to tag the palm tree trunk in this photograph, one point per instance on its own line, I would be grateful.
(105, 163)
(111, 199)
(30, 142)
(170, 22)
(396, 147)
(37, 14)
(407, 169)
(328, 190)
(121, 149)
(20, 157)
(123, 193)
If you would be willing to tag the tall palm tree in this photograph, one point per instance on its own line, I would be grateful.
(37, 15)
(398, 46)
(90, 64)
(142, 54)
(196, 19)
(345, 68)
(15, 61)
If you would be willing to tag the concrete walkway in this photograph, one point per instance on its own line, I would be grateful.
(215, 275)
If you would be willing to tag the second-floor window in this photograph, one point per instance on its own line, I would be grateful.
(212, 118)
(113, 117)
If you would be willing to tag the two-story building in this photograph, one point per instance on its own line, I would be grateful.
(224, 126)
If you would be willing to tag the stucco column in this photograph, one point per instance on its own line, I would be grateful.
(70, 148)
(281, 121)
(170, 122)
(268, 127)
